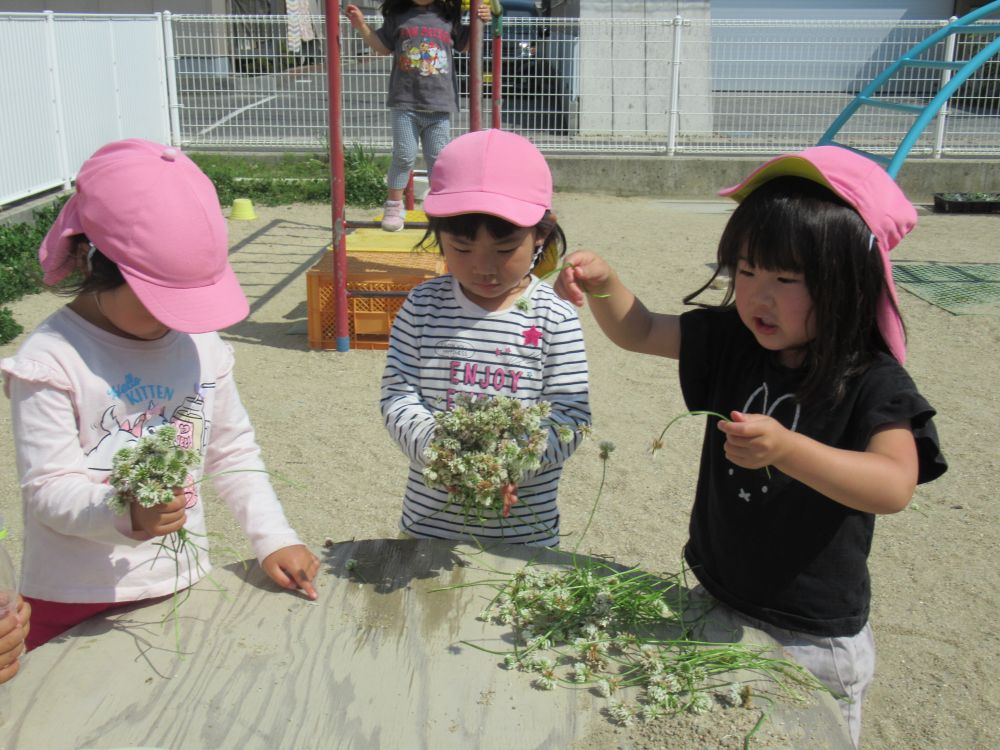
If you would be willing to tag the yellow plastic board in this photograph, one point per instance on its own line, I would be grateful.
(378, 241)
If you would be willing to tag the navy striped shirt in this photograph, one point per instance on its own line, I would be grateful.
(442, 345)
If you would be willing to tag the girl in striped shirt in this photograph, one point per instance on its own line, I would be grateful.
(488, 328)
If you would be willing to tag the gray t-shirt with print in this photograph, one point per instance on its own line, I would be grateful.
(423, 66)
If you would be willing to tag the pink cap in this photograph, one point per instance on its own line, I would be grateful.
(870, 191)
(491, 172)
(149, 209)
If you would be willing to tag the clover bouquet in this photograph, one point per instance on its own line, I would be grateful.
(484, 447)
(146, 473)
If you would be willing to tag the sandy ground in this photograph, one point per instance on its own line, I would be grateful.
(934, 566)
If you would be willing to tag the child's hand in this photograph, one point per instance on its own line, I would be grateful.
(509, 498)
(355, 16)
(13, 630)
(584, 273)
(484, 12)
(293, 567)
(162, 519)
(754, 441)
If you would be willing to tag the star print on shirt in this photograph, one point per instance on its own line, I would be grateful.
(532, 336)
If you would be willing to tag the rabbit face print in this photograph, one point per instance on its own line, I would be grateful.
(754, 485)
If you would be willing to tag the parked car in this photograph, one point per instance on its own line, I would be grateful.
(534, 92)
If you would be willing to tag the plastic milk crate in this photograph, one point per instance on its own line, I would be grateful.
(369, 313)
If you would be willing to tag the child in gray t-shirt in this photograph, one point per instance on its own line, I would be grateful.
(422, 37)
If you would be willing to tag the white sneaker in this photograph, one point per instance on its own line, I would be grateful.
(393, 216)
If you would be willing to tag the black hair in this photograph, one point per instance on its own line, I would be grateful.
(467, 226)
(795, 224)
(451, 10)
(103, 274)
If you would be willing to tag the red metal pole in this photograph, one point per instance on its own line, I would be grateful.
(497, 67)
(337, 200)
(475, 67)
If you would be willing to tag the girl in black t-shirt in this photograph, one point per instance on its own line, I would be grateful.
(824, 428)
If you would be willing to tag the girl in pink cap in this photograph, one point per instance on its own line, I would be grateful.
(488, 328)
(823, 429)
(142, 248)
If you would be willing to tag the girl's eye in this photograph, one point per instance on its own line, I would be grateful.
(789, 280)
(744, 271)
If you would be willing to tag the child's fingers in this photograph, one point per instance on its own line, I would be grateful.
(11, 640)
(8, 671)
(304, 582)
(293, 568)
(568, 287)
(24, 615)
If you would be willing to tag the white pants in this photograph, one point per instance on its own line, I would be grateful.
(845, 664)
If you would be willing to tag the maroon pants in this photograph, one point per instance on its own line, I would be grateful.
(50, 619)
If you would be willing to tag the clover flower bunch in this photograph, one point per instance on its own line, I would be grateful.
(484, 445)
(147, 471)
(592, 624)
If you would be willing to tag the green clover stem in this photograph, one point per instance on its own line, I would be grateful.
(659, 441)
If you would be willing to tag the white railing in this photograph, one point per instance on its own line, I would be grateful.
(71, 82)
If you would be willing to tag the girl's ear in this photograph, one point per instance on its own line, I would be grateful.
(81, 257)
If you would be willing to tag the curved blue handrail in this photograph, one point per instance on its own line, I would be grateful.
(964, 69)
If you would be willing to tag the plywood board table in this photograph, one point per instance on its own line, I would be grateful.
(379, 661)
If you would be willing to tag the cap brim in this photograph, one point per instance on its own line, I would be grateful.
(193, 309)
(510, 209)
(782, 166)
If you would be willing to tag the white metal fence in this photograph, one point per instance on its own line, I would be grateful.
(69, 83)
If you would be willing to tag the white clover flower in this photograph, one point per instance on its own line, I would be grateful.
(621, 713)
(667, 680)
(700, 703)
(604, 688)
(581, 673)
(651, 712)
(732, 696)
(544, 682)
(658, 694)
(545, 663)
(540, 643)
(663, 610)
(510, 661)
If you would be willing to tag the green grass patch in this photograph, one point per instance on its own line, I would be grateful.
(295, 178)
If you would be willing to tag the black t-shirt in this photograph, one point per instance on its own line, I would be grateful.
(772, 547)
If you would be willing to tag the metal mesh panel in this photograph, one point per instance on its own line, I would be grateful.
(965, 289)
(613, 85)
